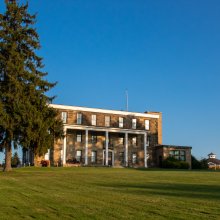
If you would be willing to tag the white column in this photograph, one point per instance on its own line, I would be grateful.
(106, 147)
(126, 149)
(145, 150)
(64, 147)
(86, 147)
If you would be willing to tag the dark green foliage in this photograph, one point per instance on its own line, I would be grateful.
(15, 161)
(25, 117)
(171, 162)
(195, 163)
(204, 163)
(199, 164)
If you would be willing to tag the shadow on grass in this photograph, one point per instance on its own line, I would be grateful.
(172, 170)
(196, 191)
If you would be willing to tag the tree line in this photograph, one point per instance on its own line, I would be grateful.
(26, 119)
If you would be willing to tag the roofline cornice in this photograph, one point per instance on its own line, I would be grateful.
(106, 111)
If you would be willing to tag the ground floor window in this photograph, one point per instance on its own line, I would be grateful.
(178, 154)
(121, 157)
(94, 139)
(94, 157)
(134, 158)
(79, 137)
(134, 141)
(79, 156)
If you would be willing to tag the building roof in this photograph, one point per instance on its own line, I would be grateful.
(211, 154)
(98, 110)
(214, 161)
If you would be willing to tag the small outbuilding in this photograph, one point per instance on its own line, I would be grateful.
(181, 153)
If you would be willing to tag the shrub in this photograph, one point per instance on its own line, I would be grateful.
(45, 163)
(72, 161)
(172, 163)
(199, 164)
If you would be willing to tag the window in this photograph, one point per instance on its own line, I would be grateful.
(121, 140)
(134, 158)
(147, 125)
(78, 155)
(134, 141)
(178, 154)
(64, 117)
(134, 123)
(47, 155)
(79, 137)
(94, 157)
(121, 158)
(107, 121)
(94, 139)
(79, 118)
(94, 120)
(121, 122)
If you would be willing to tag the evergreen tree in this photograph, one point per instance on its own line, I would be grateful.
(25, 116)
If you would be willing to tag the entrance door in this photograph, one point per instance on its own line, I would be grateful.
(110, 158)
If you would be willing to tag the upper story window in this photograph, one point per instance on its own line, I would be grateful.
(79, 118)
(134, 123)
(147, 125)
(64, 117)
(121, 122)
(94, 120)
(107, 121)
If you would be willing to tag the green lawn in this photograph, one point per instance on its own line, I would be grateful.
(106, 193)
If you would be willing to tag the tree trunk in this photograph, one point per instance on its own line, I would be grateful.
(8, 155)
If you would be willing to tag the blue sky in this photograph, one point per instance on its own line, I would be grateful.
(166, 53)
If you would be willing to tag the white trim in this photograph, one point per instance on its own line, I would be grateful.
(106, 147)
(126, 149)
(145, 150)
(86, 148)
(112, 130)
(113, 156)
(64, 147)
(97, 110)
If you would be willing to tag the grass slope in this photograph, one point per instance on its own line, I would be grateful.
(105, 193)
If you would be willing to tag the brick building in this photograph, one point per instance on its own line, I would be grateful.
(99, 137)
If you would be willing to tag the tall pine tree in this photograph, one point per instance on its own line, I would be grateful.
(25, 116)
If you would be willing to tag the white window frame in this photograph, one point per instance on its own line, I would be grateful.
(134, 123)
(79, 155)
(121, 140)
(134, 158)
(121, 122)
(107, 121)
(64, 117)
(94, 120)
(147, 125)
(79, 118)
(94, 156)
(134, 141)
(79, 137)
(94, 139)
(47, 155)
